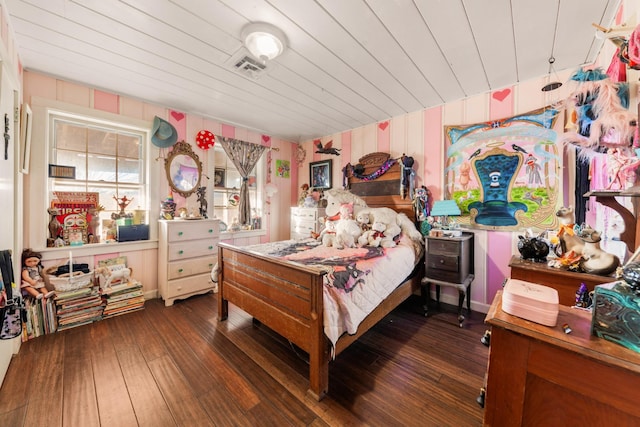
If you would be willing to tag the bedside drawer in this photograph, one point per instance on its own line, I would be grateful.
(443, 246)
(443, 262)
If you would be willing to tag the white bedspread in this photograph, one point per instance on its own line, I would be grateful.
(358, 279)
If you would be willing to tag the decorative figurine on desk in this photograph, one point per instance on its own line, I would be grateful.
(583, 297)
(33, 278)
(594, 259)
(567, 240)
(533, 248)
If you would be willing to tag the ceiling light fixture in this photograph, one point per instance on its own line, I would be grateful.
(551, 85)
(555, 84)
(263, 40)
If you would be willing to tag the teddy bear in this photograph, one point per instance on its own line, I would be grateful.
(395, 222)
(373, 236)
(328, 234)
(392, 231)
(362, 218)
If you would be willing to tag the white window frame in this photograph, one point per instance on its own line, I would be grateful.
(82, 121)
(36, 216)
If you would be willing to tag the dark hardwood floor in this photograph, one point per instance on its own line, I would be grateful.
(167, 366)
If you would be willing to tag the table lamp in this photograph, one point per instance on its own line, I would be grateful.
(445, 208)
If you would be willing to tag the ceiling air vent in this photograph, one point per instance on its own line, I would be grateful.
(250, 67)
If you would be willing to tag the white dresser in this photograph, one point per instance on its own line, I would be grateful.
(187, 251)
(304, 221)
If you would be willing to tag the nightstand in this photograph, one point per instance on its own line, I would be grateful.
(448, 262)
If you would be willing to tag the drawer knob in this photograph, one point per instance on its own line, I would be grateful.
(211, 230)
(180, 252)
(180, 270)
(180, 233)
(210, 247)
(211, 265)
(441, 261)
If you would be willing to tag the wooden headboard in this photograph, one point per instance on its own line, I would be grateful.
(383, 191)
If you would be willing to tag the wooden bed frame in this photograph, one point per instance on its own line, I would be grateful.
(288, 298)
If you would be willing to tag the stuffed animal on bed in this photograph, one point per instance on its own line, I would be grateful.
(328, 234)
(374, 236)
(336, 197)
(347, 229)
(363, 221)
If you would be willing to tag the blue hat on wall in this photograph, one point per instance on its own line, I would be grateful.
(163, 134)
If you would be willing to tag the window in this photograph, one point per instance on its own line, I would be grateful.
(108, 158)
(226, 192)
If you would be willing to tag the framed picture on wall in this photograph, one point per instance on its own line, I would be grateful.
(320, 174)
(219, 176)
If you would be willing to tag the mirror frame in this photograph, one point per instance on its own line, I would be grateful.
(182, 148)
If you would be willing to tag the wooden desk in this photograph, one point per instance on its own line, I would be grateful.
(541, 376)
(564, 281)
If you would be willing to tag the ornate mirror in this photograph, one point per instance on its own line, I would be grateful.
(184, 169)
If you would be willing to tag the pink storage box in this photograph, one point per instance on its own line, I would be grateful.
(530, 301)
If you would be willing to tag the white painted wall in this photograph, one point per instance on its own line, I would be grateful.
(10, 193)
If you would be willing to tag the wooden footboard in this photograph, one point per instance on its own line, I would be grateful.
(284, 296)
(287, 298)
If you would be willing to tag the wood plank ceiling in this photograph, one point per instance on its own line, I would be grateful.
(348, 62)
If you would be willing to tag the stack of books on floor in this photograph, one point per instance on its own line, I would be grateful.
(78, 307)
(122, 298)
(40, 318)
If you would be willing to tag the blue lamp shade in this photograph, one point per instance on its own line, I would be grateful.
(445, 208)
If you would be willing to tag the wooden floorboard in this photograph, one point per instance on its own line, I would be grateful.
(180, 366)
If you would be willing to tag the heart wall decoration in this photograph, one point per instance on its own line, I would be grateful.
(383, 125)
(501, 95)
(177, 115)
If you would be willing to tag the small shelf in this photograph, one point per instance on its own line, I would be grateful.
(631, 234)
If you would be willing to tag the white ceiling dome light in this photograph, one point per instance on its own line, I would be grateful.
(263, 40)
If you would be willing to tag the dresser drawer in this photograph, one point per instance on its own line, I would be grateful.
(309, 214)
(303, 228)
(190, 267)
(180, 231)
(180, 287)
(192, 249)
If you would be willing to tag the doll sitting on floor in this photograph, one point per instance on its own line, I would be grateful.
(33, 281)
